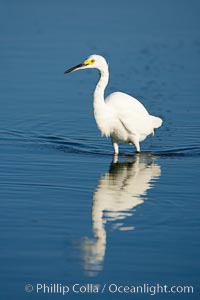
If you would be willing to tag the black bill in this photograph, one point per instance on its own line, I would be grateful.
(73, 68)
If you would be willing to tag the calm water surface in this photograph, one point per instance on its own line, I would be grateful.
(69, 213)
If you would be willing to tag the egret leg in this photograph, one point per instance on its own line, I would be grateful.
(137, 146)
(115, 146)
(115, 159)
(135, 141)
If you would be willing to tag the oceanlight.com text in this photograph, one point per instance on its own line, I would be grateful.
(111, 288)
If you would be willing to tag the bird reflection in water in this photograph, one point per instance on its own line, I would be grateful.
(119, 191)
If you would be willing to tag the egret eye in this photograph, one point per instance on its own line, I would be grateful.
(88, 62)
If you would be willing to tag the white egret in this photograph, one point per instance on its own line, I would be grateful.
(119, 116)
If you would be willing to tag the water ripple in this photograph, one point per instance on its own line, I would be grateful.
(80, 145)
(184, 151)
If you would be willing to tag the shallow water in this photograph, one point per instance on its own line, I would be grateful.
(69, 213)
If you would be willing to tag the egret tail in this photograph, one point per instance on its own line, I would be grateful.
(157, 122)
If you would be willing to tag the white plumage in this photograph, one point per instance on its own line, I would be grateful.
(119, 116)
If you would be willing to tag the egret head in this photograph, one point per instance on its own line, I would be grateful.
(93, 61)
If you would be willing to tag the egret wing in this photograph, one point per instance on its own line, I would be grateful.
(131, 113)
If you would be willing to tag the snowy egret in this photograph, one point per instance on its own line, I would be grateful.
(119, 116)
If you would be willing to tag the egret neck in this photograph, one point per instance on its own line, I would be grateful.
(100, 108)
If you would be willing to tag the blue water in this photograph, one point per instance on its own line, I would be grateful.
(69, 213)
